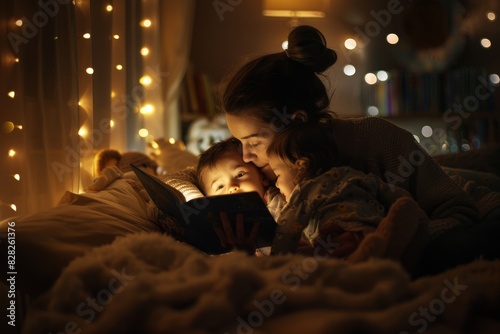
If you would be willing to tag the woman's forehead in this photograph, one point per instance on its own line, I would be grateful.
(243, 127)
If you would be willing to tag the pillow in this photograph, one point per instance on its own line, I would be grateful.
(47, 241)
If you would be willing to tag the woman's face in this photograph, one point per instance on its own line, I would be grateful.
(255, 138)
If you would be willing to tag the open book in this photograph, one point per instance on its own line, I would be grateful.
(200, 214)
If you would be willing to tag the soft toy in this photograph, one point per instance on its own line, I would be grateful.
(204, 132)
(108, 157)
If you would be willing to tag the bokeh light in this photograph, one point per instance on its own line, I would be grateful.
(486, 43)
(349, 70)
(370, 78)
(8, 127)
(426, 131)
(350, 44)
(372, 111)
(392, 38)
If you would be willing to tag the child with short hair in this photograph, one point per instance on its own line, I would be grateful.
(221, 170)
(324, 200)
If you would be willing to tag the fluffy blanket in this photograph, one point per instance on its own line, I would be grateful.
(150, 283)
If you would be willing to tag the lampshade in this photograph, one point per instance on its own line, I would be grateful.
(295, 8)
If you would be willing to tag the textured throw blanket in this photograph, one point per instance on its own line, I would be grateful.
(150, 283)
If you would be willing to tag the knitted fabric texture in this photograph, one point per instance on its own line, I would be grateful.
(400, 161)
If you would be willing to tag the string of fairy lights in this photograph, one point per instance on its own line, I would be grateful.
(149, 109)
(8, 127)
(149, 81)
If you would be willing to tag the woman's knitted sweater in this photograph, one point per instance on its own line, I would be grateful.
(374, 145)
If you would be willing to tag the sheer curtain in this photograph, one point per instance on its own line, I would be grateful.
(70, 85)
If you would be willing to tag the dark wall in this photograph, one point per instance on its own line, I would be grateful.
(222, 40)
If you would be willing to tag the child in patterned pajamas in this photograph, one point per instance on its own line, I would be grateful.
(326, 202)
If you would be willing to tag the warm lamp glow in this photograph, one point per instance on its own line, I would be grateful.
(171, 140)
(86, 35)
(146, 80)
(12, 94)
(111, 123)
(82, 132)
(119, 67)
(392, 39)
(89, 70)
(146, 23)
(143, 133)
(19, 23)
(116, 36)
(17, 177)
(8, 127)
(147, 109)
(12, 206)
(491, 16)
(486, 43)
(370, 78)
(109, 8)
(144, 51)
(12, 153)
(350, 44)
(295, 8)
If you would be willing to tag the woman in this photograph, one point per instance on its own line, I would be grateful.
(260, 98)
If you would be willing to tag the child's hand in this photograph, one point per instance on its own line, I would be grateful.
(238, 241)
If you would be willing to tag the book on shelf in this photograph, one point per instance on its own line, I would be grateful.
(197, 98)
(411, 93)
(199, 216)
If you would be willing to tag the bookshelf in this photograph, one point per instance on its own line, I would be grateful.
(197, 98)
(459, 103)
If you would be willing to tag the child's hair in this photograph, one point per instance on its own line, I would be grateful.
(211, 156)
(282, 82)
(308, 143)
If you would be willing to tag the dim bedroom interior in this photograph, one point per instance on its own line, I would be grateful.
(87, 255)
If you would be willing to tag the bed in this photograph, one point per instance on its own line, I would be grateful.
(99, 263)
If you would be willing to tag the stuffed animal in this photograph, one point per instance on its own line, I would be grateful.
(204, 132)
(108, 157)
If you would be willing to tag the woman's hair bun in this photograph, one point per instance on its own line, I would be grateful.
(307, 46)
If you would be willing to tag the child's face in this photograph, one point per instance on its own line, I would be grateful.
(285, 176)
(230, 175)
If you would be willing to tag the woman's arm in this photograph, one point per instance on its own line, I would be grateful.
(404, 163)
